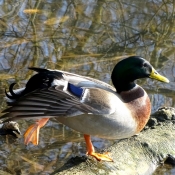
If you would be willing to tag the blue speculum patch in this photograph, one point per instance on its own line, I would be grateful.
(77, 91)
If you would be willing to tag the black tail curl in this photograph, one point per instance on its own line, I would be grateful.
(13, 95)
(43, 79)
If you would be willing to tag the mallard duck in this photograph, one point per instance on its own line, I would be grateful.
(86, 105)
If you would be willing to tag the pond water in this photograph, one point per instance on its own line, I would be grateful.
(86, 37)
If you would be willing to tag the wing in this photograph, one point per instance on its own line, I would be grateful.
(46, 78)
(56, 102)
(52, 93)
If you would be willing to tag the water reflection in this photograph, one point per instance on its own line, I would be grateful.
(87, 38)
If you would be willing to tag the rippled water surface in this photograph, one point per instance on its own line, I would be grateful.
(83, 37)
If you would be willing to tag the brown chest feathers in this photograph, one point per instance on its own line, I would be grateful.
(139, 104)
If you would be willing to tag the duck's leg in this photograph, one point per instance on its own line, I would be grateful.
(91, 150)
(32, 133)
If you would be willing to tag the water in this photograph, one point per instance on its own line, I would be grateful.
(83, 37)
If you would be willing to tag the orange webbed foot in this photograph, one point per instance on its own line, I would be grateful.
(99, 157)
(32, 133)
(91, 151)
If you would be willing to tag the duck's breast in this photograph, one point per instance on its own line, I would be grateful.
(139, 104)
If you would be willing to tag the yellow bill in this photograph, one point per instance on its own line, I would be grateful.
(155, 75)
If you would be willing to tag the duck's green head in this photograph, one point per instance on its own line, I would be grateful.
(132, 68)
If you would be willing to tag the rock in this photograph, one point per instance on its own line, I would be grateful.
(164, 113)
(9, 128)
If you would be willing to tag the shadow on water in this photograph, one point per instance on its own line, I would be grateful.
(83, 37)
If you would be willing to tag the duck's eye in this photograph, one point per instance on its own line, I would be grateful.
(144, 65)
